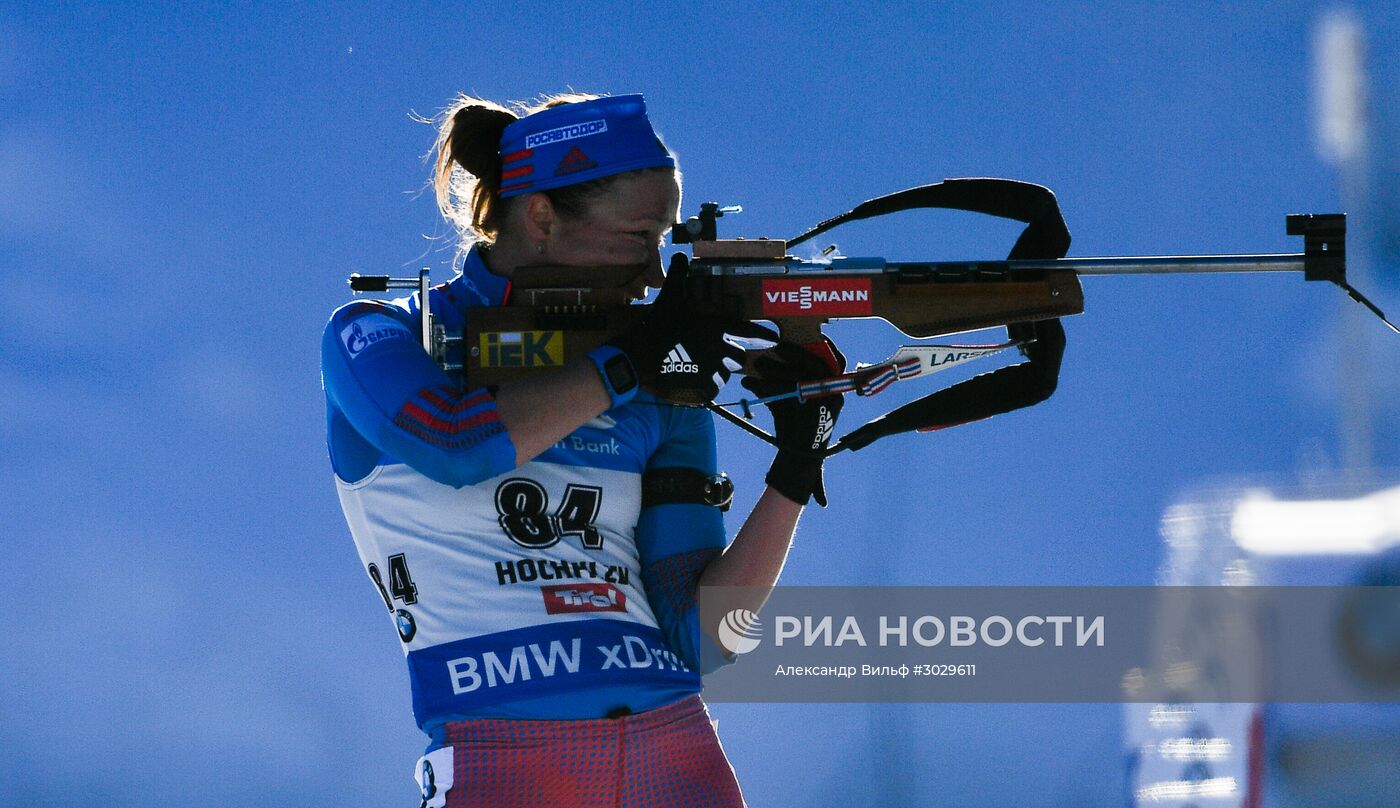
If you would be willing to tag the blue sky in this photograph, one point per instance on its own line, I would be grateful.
(186, 188)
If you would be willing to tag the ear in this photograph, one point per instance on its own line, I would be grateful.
(539, 217)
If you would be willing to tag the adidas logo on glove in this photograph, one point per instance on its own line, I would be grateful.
(826, 422)
(678, 361)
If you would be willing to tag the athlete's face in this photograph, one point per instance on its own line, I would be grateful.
(622, 227)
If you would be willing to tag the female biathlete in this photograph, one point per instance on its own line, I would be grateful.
(539, 544)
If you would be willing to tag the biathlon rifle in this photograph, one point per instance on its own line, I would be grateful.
(550, 318)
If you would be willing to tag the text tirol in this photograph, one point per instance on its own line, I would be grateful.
(833, 297)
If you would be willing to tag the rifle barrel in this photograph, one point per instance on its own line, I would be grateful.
(1171, 264)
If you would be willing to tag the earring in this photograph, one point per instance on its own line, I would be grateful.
(539, 247)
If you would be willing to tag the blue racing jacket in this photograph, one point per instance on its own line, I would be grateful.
(543, 591)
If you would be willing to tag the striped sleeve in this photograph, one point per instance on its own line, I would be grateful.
(377, 374)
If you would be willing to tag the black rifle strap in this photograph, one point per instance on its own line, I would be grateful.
(1005, 389)
(1010, 199)
(994, 393)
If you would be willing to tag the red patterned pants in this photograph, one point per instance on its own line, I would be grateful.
(669, 756)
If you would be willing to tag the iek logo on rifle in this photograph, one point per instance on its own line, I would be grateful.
(522, 349)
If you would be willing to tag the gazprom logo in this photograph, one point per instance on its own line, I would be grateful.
(563, 133)
(366, 331)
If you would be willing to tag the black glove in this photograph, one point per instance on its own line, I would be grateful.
(682, 356)
(803, 428)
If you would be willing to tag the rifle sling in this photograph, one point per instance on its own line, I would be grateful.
(1025, 202)
(1010, 388)
(1000, 391)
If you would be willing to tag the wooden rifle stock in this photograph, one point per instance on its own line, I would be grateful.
(551, 319)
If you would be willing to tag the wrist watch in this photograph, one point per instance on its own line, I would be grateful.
(617, 373)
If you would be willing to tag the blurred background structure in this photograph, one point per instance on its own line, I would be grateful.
(1194, 751)
(185, 190)
(1320, 528)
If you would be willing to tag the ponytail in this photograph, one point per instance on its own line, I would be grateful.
(467, 172)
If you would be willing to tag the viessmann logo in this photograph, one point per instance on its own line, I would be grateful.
(837, 296)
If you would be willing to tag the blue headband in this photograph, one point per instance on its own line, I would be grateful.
(574, 143)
